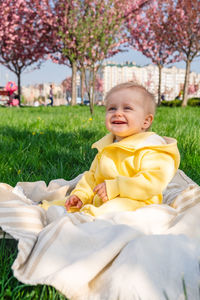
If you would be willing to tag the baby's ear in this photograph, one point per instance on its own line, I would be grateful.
(148, 121)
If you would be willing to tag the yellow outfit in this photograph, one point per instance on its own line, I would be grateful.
(136, 170)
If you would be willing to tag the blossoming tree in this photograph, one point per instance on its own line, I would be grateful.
(150, 35)
(184, 27)
(90, 31)
(23, 35)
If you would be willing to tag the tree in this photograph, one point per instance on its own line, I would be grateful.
(184, 25)
(67, 87)
(81, 26)
(105, 25)
(99, 84)
(98, 88)
(23, 35)
(90, 31)
(149, 34)
(193, 88)
(149, 81)
(93, 85)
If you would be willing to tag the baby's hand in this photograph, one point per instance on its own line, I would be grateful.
(100, 189)
(73, 200)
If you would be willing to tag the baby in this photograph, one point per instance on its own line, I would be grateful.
(133, 165)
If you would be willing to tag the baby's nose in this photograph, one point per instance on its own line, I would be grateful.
(118, 112)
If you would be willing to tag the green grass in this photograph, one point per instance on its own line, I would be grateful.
(182, 124)
(46, 143)
(55, 142)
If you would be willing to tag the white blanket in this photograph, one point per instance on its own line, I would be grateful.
(148, 254)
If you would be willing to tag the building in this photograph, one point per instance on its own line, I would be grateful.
(172, 78)
(113, 73)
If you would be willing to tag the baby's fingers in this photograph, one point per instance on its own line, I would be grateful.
(70, 202)
(103, 195)
(67, 205)
(105, 198)
(79, 204)
(99, 187)
(96, 189)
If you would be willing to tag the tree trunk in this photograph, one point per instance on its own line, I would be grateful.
(74, 71)
(94, 82)
(88, 84)
(19, 87)
(159, 83)
(186, 83)
(92, 90)
(82, 85)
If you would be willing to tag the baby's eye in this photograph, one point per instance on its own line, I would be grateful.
(111, 108)
(128, 108)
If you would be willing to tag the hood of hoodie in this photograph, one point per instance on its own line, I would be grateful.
(143, 140)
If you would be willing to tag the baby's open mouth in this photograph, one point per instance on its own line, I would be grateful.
(118, 122)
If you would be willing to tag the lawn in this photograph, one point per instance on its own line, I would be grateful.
(45, 143)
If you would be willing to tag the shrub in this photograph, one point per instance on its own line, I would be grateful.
(172, 103)
(194, 102)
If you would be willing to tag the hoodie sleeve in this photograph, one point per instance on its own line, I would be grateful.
(84, 188)
(155, 170)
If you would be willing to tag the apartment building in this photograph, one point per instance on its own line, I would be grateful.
(172, 78)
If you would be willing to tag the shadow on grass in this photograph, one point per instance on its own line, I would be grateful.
(30, 156)
(10, 287)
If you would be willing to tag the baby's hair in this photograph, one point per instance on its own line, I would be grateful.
(132, 85)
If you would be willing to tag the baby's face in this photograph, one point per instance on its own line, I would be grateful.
(126, 114)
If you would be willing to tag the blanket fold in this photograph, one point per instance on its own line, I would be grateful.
(145, 254)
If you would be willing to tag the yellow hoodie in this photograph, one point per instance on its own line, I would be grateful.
(136, 170)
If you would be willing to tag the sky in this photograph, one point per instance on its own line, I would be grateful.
(53, 73)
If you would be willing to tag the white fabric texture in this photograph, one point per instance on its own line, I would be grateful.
(146, 254)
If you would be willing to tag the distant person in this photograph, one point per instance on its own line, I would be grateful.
(51, 95)
(178, 97)
(162, 97)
